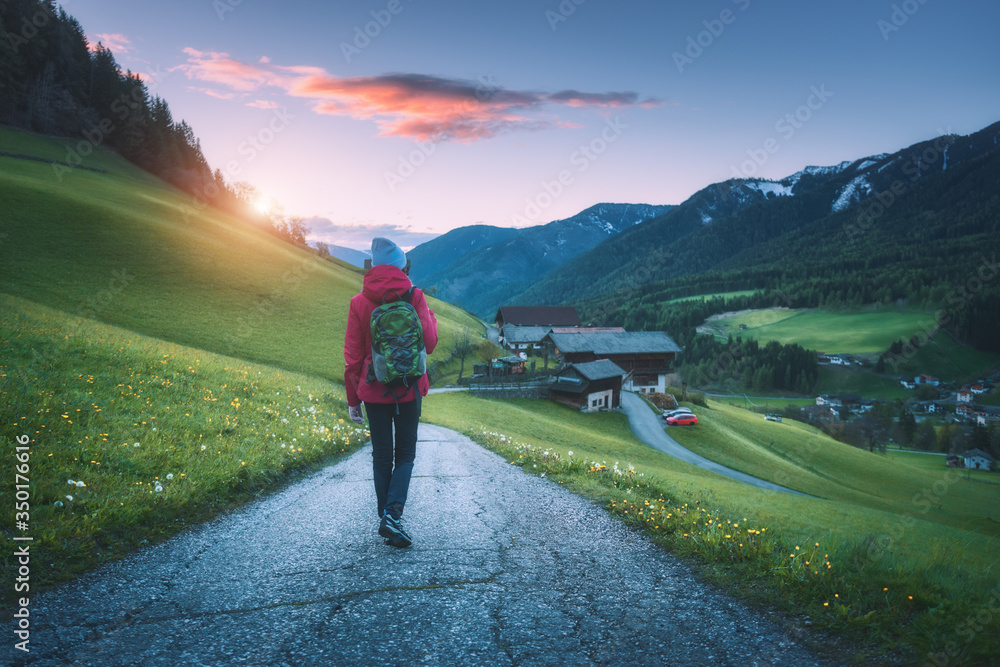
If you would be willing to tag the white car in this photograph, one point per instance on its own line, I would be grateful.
(676, 413)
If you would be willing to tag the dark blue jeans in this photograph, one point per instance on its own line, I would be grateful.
(392, 459)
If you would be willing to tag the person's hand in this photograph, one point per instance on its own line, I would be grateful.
(357, 415)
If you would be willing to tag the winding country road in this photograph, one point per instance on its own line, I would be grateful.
(647, 426)
(506, 569)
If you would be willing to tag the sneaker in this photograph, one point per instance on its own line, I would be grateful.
(393, 532)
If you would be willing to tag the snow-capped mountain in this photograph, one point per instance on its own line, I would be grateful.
(739, 221)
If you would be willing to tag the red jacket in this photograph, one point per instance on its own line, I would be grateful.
(379, 282)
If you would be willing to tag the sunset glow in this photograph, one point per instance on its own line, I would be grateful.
(416, 121)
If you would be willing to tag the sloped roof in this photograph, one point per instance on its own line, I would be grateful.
(551, 316)
(623, 342)
(574, 330)
(598, 370)
(516, 334)
(978, 452)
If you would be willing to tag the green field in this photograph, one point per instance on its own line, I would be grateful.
(936, 463)
(154, 435)
(765, 403)
(836, 380)
(831, 332)
(943, 358)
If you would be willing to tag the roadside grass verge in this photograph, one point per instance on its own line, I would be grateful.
(133, 438)
(899, 588)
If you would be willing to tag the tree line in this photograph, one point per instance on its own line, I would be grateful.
(52, 81)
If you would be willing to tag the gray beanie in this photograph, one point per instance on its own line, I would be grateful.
(385, 251)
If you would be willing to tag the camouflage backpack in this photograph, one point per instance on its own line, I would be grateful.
(399, 357)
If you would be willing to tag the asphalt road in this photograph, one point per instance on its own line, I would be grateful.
(648, 427)
(506, 569)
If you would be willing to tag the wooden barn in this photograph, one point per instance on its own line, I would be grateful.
(647, 357)
(589, 386)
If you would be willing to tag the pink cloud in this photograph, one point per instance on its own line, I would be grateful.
(419, 106)
(213, 67)
(263, 104)
(213, 93)
(115, 42)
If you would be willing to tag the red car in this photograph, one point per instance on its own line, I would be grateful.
(682, 420)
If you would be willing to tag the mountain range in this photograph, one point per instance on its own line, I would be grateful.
(745, 223)
(892, 225)
(482, 267)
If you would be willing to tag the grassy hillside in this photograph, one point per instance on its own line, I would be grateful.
(833, 332)
(127, 249)
(150, 343)
(864, 558)
(153, 435)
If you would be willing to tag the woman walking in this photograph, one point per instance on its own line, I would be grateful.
(394, 410)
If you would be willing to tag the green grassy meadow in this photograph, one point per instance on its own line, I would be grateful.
(128, 314)
(152, 434)
(866, 333)
(850, 380)
(827, 331)
(936, 463)
(126, 249)
(833, 332)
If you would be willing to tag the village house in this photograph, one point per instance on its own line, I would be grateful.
(985, 416)
(977, 388)
(646, 356)
(964, 410)
(927, 379)
(965, 396)
(907, 384)
(977, 459)
(522, 338)
(851, 401)
(529, 339)
(589, 386)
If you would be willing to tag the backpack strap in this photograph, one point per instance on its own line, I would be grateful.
(407, 295)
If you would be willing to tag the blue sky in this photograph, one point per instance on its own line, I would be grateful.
(453, 113)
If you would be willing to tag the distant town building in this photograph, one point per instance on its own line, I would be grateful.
(965, 396)
(927, 379)
(522, 338)
(977, 459)
(851, 401)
